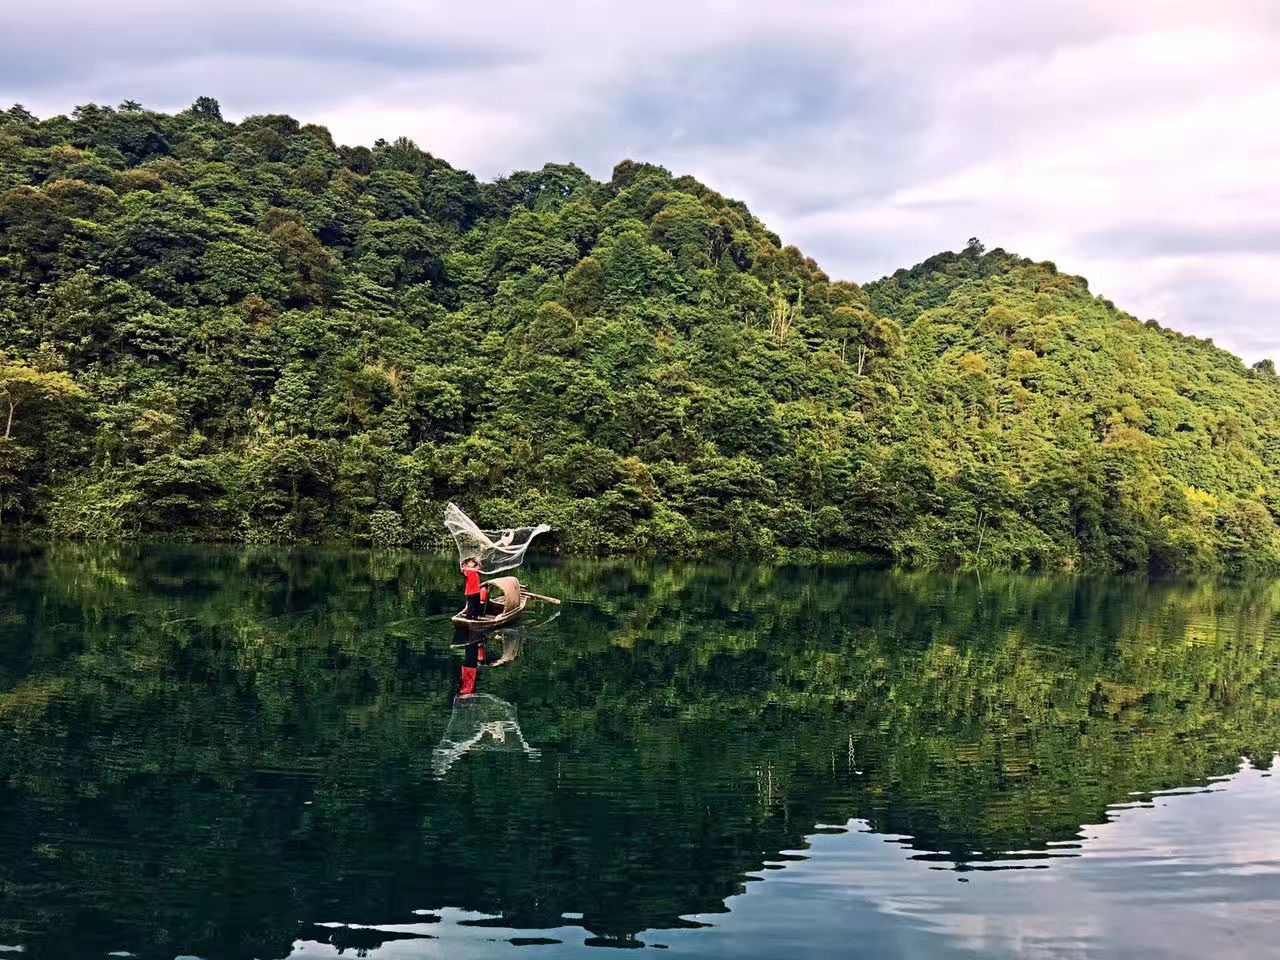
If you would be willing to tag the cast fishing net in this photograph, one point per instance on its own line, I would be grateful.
(495, 549)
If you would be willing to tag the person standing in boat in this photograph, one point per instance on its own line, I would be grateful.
(471, 573)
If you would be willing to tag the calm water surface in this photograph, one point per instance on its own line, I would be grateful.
(239, 754)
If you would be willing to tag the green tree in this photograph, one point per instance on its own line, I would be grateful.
(217, 288)
(25, 386)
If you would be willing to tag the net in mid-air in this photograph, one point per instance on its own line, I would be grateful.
(496, 550)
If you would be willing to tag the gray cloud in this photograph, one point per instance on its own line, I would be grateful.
(34, 67)
(773, 91)
(1182, 240)
(1209, 305)
(770, 103)
(63, 43)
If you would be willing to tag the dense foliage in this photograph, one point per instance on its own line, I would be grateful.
(205, 751)
(245, 331)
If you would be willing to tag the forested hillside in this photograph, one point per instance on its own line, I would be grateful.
(245, 331)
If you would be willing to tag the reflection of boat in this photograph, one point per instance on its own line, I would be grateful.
(514, 599)
(479, 722)
(512, 639)
(511, 642)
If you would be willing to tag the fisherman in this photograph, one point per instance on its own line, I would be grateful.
(471, 573)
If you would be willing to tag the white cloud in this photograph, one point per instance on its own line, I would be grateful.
(1132, 143)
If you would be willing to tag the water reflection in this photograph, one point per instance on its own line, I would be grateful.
(240, 754)
(480, 722)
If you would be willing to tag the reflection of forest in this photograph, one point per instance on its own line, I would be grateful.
(201, 749)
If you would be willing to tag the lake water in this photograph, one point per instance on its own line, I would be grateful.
(221, 753)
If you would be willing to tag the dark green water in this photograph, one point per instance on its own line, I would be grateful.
(218, 753)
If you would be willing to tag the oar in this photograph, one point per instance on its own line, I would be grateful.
(538, 596)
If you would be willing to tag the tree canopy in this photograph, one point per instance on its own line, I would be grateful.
(261, 335)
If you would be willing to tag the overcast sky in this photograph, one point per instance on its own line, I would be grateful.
(1136, 142)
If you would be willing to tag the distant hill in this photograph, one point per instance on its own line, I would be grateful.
(245, 331)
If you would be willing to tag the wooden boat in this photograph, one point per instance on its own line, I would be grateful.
(514, 600)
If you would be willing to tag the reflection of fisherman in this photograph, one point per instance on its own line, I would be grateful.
(480, 721)
(474, 656)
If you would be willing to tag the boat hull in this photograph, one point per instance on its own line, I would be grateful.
(493, 621)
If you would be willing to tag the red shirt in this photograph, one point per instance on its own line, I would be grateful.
(473, 581)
